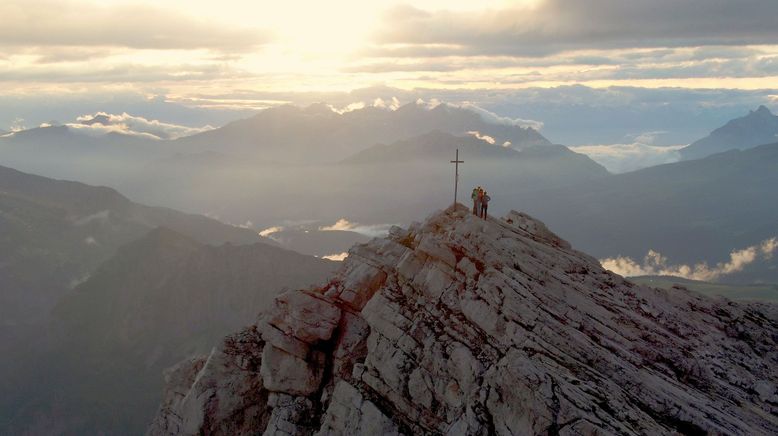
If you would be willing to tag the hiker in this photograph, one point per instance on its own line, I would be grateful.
(480, 197)
(485, 204)
(476, 202)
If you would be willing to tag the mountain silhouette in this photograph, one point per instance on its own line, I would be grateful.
(757, 128)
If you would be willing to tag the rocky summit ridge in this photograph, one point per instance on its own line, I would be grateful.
(464, 326)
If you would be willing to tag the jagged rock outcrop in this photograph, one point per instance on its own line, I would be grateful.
(465, 326)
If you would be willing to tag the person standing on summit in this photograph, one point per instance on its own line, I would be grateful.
(476, 203)
(485, 204)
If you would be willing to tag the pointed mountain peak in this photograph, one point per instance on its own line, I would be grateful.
(758, 127)
(763, 110)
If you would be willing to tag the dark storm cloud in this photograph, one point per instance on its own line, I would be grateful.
(120, 73)
(564, 25)
(65, 23)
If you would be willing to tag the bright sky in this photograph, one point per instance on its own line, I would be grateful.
(187, 47)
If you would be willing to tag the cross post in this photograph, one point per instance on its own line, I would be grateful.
(456, 163)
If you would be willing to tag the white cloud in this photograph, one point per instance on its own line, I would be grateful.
(769, 247)
(392, 104)
(620, 158)
(340, 257)
(353, 107)
(493, 118)
(374, 230)
(102, 123)
(341, 225)
(648, 138)
(485, 138)
(100, 130)
(656, 264)
(269, 231)
(428, 104)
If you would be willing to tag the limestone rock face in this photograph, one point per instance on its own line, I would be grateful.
(466, 326)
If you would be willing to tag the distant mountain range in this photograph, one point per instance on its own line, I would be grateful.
(65, 141)
(317, 134)
(132, 288)
(160, 299)
(164, 288)
(296, 164)
(435, 147)
(690, 211)
(751, 292)
(757, 128)
(56, 232)
(438, 147)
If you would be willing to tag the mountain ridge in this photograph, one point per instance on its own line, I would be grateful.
(759, 127)
(689, 211)
(318, 134)
(436, 145)
(159, 299)
(59, 231)
(459, 325)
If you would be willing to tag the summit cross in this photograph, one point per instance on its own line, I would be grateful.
(456, 163)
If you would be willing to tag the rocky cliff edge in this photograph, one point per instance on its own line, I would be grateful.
(465, 326)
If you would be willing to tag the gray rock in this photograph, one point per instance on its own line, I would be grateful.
(179, 379)
(283, 372)
(226, 397)
(466, 326)
(350, 414)
(305, 316)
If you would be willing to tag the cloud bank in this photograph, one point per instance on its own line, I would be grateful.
(102, 123)
(622, 158)
(553, 26)
(493, 118)
(656, 264)
(375, 230)
(63, 23)
(502, 45)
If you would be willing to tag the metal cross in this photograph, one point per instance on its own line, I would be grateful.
(456, 163)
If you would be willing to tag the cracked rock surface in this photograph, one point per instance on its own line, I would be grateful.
(466, 327)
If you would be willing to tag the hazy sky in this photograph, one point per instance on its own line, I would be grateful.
(223, 51)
